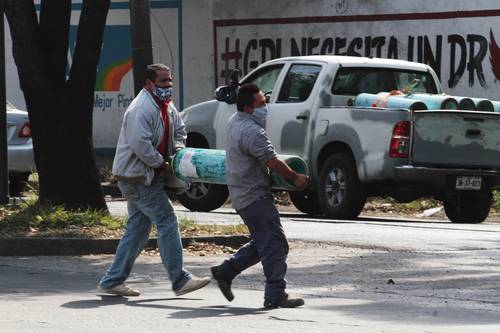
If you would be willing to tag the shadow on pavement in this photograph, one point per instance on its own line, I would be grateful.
(107, 300)
(417, 313)
(180, 312)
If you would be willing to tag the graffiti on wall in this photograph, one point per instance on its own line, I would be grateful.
(465, 58)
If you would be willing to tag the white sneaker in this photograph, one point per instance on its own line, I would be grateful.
(120, 290)
(193, 284)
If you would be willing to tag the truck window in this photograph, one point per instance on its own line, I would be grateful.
(265, 77)
(353, 81)
(298, 83)
(417, 82)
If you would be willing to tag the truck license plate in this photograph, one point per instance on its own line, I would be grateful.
(468, 183)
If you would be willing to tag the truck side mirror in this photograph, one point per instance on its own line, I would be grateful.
(229, 93)
(226, 94)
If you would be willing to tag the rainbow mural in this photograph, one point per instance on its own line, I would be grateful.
(116, 56)
(110, 77)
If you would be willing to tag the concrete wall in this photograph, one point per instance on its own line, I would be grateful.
(200, 39)
(458, 45)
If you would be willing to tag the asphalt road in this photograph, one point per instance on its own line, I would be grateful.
(375, 233)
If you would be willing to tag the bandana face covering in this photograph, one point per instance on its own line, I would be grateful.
(163, 94)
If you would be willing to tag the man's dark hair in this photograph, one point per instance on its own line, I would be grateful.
(152, 71)
(246, 95)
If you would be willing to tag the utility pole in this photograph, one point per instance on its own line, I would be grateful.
(4, 172)
(142, 46)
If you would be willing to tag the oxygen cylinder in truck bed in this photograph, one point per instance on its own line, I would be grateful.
(390, 102)
(436, 102)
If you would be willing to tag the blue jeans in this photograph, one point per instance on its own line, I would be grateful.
(268, 245)
(148, 205)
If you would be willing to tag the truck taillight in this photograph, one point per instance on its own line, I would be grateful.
(400, 141)
(25, 131)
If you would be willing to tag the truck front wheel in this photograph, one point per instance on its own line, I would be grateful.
(203, 197)
(340, 193)
(468, 207)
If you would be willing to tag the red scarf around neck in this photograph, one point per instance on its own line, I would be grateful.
(162, 148)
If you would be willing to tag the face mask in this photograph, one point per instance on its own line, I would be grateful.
(163, 94)
(261, 112)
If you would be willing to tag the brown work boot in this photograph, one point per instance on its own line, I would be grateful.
(224, 284)
(286, 302)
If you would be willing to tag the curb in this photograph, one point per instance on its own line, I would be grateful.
(26, 246)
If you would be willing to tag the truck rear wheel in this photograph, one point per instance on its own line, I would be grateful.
(307, 202)
(340, 193)
(468, 207)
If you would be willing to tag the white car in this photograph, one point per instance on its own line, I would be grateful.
(19, 147)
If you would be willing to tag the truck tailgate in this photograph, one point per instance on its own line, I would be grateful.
(456, 139)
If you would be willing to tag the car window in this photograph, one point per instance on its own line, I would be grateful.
(354, 81)
(298, 83)
(266, 77)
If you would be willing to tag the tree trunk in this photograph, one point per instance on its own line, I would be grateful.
(60, 108)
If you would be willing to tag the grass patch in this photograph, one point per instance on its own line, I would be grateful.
(389, 205)
(190, 227)
(33, 219)
(496, 200)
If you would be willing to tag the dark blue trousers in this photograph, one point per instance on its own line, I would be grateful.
(268, 245)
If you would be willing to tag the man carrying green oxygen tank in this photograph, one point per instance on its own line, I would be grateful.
(249, 158)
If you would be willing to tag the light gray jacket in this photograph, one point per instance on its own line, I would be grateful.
(142, 130)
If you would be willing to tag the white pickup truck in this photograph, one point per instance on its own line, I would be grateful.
(354, 152)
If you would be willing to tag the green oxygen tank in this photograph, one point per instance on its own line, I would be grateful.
(436, 102)
(496, 106)
(384, 101)
(465, 103)
(197, 165)
(295, 163)
(483, 104)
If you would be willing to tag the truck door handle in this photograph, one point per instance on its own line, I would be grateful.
(301, 116)
(473, 132)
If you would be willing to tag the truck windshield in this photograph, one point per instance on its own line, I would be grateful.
(353, 81)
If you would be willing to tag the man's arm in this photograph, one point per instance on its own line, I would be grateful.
(139, 136)
(299, 180)
(180, 134)
(261, 147)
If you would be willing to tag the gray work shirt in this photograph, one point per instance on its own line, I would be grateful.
(247, 150)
